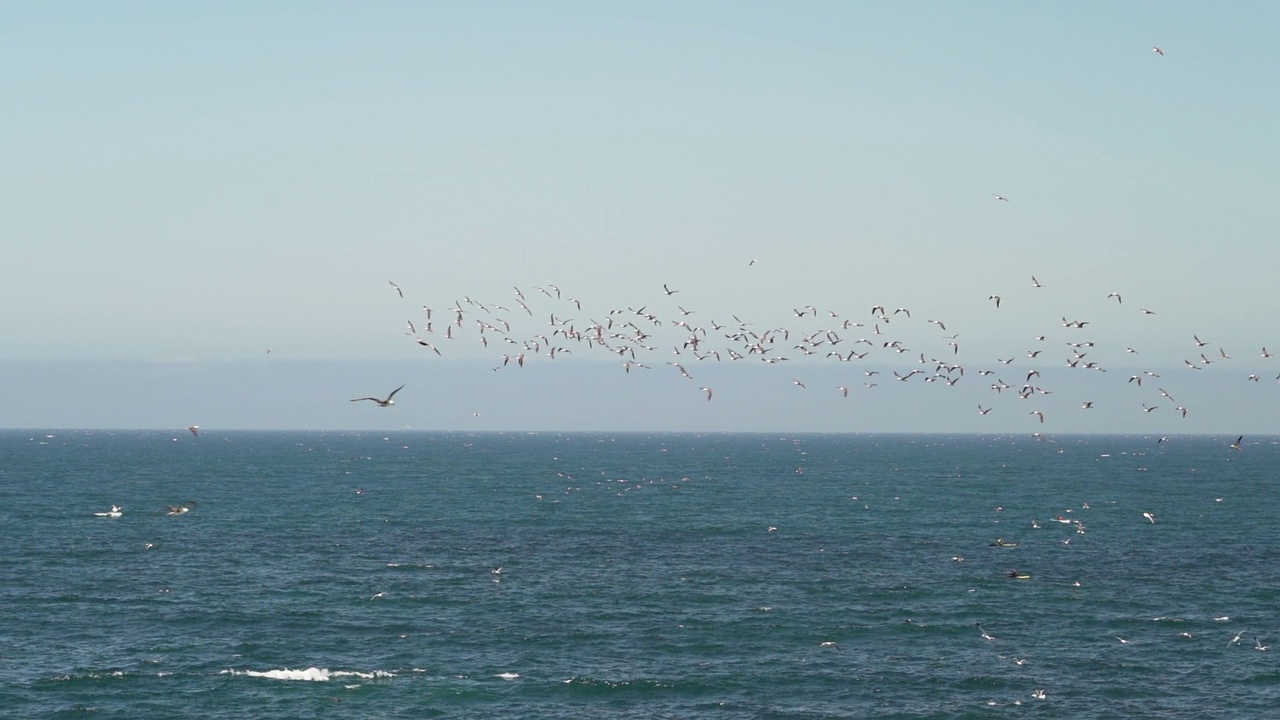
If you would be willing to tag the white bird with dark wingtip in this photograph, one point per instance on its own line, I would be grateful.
(387, 402)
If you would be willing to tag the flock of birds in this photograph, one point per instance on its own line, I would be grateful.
(666, 334)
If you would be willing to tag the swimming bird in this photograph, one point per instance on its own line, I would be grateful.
(1038, 694)
(181, 509)
(382, 403)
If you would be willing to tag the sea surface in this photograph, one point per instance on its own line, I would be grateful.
(526, 575)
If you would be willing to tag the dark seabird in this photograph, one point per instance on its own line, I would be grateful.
(382, 403)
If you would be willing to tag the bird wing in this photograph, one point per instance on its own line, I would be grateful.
(393, 392)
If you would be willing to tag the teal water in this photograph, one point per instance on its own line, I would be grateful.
(637, 576)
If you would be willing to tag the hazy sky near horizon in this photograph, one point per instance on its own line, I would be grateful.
(191, 185)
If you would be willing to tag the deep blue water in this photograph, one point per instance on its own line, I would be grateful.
(636, 576)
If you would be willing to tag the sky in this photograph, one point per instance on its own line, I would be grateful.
(207, 208)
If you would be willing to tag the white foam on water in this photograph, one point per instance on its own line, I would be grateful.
(508, 675)
(311, 674)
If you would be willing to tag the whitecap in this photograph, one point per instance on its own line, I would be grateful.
(508, 675)
(312, 674)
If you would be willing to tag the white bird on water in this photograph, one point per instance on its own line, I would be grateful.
(1150, 517)
(115, 512)
(382, 402)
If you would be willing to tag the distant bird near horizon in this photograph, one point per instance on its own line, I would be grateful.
(398, 290)
(1156, 49)
(999, 197)
(382, 402)
(195, 430)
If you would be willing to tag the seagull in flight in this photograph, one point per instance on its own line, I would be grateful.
(397, 287)
(1236, 445)
(1150, 517)
(382, 403)
(999, 197)
(195, 430)
(1155, 49)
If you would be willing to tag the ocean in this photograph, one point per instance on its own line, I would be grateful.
(632, 575)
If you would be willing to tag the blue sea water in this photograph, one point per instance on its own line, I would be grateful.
(420, 575)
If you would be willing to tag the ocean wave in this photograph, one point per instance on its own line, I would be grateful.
(311, 674)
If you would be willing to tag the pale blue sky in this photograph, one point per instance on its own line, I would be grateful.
(187, 186)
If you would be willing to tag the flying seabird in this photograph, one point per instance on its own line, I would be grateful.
(1236, 445)
(397, 287)
(1155, 49)
(180, 509)
(382, 403)
(195, 430)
